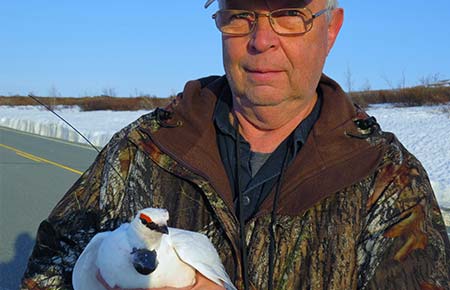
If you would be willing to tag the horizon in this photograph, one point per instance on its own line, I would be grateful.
(84, 49)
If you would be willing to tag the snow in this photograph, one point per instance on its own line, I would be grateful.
(97, 126)
(425, 131)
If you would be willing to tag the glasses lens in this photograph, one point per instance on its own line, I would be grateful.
(235, 21)
(292, 21)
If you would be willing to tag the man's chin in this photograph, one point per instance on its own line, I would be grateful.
(264, 96)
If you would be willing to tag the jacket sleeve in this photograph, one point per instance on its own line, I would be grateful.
(404, 243)
(93, 204)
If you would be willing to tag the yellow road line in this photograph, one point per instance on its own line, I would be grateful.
(39, 159)
(28, 156)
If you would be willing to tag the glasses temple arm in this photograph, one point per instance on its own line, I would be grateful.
(315, 15)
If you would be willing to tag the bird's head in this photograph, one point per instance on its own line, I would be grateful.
(154, 219)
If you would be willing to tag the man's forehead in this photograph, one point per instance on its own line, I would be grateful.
(272, 4)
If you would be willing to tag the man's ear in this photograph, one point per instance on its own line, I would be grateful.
(334, 26)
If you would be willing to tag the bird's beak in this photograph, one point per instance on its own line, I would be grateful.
(163, 230)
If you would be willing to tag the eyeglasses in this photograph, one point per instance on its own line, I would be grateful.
(288, 21)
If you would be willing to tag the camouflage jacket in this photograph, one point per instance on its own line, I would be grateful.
(356, 209)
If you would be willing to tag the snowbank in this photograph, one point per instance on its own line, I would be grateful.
(97, 126)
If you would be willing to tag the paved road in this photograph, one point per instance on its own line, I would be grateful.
(35, 172)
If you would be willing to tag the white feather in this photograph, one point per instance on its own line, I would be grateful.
(197, 250)
(85, 270)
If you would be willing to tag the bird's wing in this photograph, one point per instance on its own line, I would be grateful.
(197, 250)
(85, 270)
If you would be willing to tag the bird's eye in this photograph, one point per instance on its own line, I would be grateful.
(152, 226)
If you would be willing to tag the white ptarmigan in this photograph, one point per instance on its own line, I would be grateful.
(147, 254)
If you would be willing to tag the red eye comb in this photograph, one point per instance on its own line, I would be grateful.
(145, 217)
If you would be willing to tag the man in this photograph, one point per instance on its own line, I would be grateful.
(296, 187)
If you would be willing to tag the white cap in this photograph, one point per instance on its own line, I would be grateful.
(209, 2)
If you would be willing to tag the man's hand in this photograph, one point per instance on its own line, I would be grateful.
(202, 283)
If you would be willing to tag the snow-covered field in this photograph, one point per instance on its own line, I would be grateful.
(425, 131)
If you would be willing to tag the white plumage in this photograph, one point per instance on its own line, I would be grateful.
(147, 254)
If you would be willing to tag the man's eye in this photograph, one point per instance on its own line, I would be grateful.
(285, 13)
(243, 15)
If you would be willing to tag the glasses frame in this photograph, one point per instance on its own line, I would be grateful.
(271, 20)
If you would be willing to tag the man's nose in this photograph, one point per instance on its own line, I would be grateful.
(263, 37)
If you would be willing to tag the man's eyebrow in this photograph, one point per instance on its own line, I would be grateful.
(304, 3)
(297, 3)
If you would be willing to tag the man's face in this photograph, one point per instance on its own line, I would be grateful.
(267, 69)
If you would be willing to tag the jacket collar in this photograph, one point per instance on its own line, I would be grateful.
(328, 162)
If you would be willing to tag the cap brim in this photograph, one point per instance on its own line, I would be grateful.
(209, 2)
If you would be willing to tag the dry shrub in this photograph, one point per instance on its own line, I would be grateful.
(17, 101)
(359, 99)
(414, 96)
(91, 103)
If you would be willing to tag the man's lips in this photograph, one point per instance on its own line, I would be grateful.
(262, 70)
(263, 74)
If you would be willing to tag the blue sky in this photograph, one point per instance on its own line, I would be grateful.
(84, 47)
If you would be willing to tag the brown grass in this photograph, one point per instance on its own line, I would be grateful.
(414, 96)
(90, 103)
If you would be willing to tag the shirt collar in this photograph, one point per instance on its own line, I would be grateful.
(222, 113)
(305, 126)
